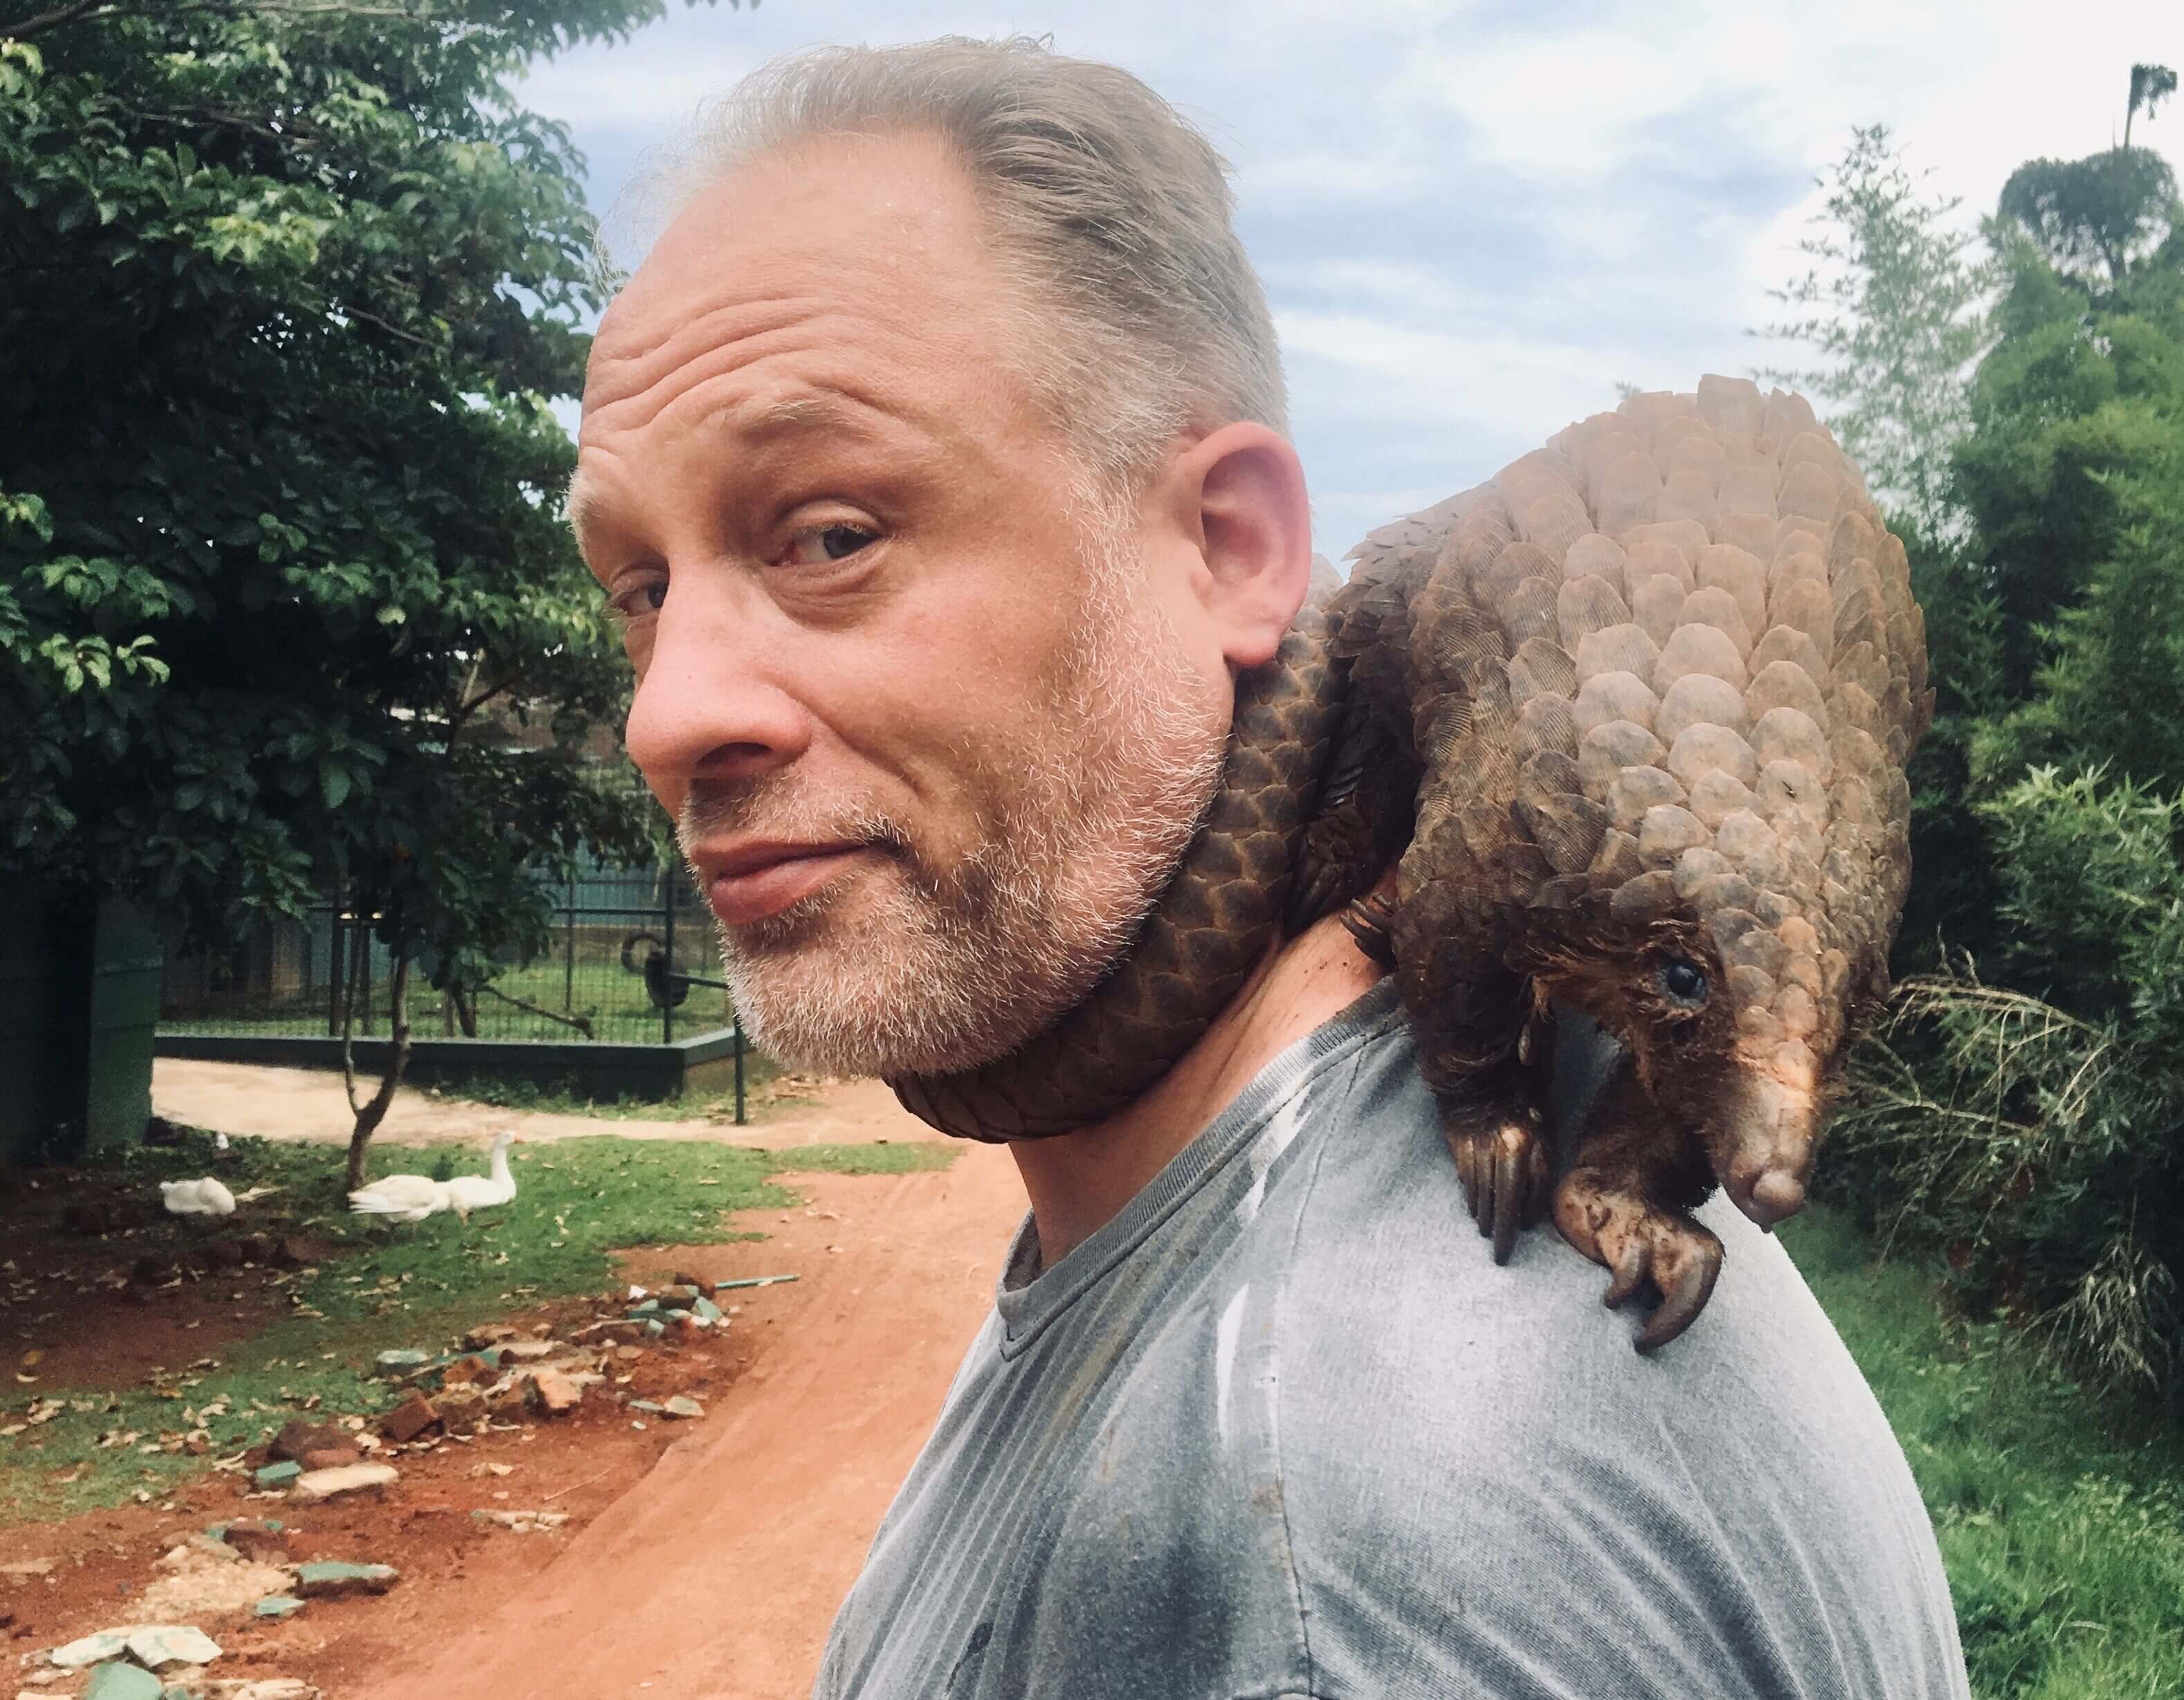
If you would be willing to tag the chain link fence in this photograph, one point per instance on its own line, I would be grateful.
(284, 977)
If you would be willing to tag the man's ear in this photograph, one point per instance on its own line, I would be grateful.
(1238, 494)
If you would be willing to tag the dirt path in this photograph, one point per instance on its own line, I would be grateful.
(310, 1103)
(716, 1576)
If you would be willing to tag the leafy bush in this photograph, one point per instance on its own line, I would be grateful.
(2039, 1143)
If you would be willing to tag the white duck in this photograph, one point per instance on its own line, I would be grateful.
(405, 1197)
(413, 1197)
(469, 1192)
(204, 1197)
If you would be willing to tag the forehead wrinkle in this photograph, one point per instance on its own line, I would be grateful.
(657, 370)
(657, 338)
(787, 370)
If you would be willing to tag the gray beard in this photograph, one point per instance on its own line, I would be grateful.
(913, 969)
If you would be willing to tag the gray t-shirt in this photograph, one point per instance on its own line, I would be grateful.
(1282, 1429)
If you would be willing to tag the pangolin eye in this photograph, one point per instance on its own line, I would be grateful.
(1685, 983)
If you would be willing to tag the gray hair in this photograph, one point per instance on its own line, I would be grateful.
(1140, 316)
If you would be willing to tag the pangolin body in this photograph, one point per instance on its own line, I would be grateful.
(1652, 686)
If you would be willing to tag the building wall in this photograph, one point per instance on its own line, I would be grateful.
(79, 997)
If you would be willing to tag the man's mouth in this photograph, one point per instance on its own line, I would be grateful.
(750, 882)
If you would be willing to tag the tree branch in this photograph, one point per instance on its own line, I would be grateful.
(24, 29)
(471, 705)
(583, 1023)
(350, 311)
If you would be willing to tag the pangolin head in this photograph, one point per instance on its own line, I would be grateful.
(1685, 995)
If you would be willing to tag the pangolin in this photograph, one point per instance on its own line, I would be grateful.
(1653, 689)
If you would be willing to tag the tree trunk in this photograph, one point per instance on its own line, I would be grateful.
(370, 1114)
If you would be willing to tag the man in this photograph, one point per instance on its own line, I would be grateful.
(934, 460)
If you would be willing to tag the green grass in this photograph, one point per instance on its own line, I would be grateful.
(564, 1096)
(579, 1201)
(910, 1156)
(2060, 1514)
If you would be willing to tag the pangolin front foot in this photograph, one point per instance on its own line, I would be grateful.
(1637, 1242)
(1502, 1161)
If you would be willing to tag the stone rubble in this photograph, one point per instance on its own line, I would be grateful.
(123, 1683)
(156, 1646)
(200, 1585)
(259, 1538)
(331, 1579)
(523, 1522)
(313, 1485)
(247, 1568)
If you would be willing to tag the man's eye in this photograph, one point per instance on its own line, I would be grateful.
(638, 599)
(825, 543)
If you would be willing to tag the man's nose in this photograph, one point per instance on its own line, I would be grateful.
(711, 703)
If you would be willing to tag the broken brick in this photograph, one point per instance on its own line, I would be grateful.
(298, 1437)
(556, 1394)
(409, 1419)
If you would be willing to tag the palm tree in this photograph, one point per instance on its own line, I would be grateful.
(2148, 84)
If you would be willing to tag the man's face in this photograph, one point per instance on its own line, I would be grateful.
(933, 741)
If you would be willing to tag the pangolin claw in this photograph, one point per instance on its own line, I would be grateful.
(1503, 1167)
(1638, 1242)
(1370, 919)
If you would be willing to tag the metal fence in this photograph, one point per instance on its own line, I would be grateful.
(288, 977)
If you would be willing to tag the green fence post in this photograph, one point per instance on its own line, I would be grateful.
(667, 1003)
(336, 972)
(568, 969)
(739, 1068)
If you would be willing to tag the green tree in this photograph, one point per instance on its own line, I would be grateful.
(2150, 84)
(2098, 217)
(1895, 308)
(285, 601)
(2029, 1112)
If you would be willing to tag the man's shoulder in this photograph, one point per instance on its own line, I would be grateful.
(1481, 1476)
(1386, 1299)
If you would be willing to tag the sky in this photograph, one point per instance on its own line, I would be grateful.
(1474, 218)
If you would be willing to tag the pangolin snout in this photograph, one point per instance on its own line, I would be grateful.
(1767, 1195)
(1772, 1132)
